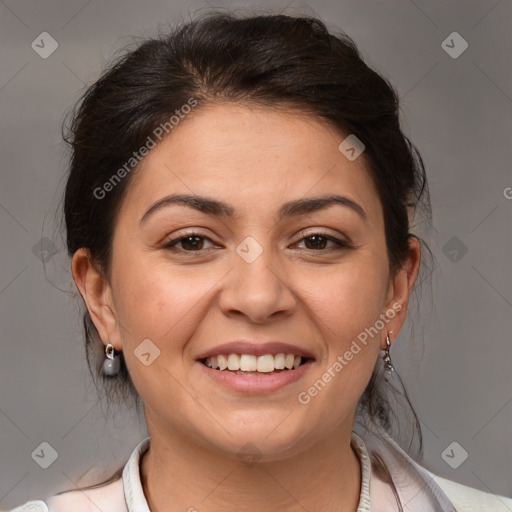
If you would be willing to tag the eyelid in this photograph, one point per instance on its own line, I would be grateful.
(340, 237)
(341, 242)
(175, 239)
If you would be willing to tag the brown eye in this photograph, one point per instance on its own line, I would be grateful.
(192, 242)
(316, 242)
(319, 241)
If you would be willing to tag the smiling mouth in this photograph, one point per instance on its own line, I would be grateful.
(258, 366)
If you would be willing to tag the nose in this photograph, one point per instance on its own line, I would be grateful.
(258, 290)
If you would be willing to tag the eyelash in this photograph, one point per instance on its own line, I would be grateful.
(170, 245)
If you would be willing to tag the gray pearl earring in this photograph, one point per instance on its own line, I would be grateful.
(388, 366)
(111, 363)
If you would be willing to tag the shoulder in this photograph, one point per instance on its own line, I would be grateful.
(460, 497)
(32, 506)
(469, 499)
(107, 498)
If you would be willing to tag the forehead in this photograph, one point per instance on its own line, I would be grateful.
(251, 157)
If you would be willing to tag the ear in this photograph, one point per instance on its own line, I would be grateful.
(400, 287)
(97, 295)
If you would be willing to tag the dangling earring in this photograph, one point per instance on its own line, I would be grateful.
(388, 366)
(111, 363)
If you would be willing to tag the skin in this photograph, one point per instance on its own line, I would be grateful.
(253, 159)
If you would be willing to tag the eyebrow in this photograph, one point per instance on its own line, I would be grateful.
(289, 209)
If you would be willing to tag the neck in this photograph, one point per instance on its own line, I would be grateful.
(178, 474)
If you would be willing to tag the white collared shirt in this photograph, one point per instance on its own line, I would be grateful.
(419, 489)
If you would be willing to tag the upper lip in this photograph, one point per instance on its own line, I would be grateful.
(256, 348)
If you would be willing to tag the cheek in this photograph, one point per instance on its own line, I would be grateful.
(348, 299)
(344, 305)
(157, 301)
(163, 304)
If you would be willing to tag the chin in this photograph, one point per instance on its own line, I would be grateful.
(272, 440)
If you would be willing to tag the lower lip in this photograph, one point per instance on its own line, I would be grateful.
(253, 384)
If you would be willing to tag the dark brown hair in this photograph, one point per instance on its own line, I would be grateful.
(276, 61)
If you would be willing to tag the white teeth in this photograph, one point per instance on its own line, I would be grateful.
(279, 361)
(251, 363)
(248, 363)
(233, 362)
(222, 362)
(266, 363)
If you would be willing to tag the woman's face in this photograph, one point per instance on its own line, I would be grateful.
(253, 259)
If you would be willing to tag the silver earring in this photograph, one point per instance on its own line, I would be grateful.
(111, 363)
(388, 366)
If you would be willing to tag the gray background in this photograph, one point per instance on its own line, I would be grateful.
(458, 112)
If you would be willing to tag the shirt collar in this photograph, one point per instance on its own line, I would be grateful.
(136, 501)
(133, 492)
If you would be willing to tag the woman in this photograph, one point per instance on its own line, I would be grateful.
(238, 213)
